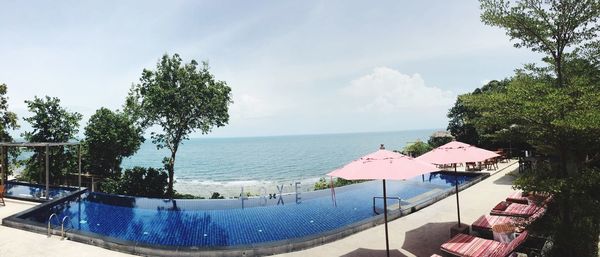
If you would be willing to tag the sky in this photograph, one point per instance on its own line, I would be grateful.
(295, 67)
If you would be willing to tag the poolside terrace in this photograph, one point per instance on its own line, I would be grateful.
(418, 234)
(422, 233)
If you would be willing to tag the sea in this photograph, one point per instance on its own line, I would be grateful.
(253, 165)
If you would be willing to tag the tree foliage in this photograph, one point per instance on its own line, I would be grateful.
(8, 121)
(462, 116)
(109, 137)
(557, 121)
(324, 183)
(51, 123)
(435, 141)
(548, 27)
(138, 181)
(416, 149)
(461, 122)
(556, 108)
(181, 99)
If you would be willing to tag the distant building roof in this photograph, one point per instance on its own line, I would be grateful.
(441, 134)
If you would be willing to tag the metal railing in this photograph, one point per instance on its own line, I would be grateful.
(389, 197)
(62, 226)
(50, 224)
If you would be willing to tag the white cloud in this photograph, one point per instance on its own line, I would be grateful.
(286, 62)
(386, 90)
(248, 106)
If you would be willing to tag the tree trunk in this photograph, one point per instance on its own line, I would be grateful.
(171, 170)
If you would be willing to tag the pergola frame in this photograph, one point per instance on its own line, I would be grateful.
(47, 145)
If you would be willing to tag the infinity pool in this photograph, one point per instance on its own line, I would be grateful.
(35, 192)
(217, 224)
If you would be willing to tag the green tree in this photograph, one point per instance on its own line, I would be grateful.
(8, 121)
(557, 109)
(51, 123)
(462, 117)
(548, 27)
(109, 137)
(461, 122)
(436, 140)
(562, 124)
(416, 149)
(181, 99)
(138, 181)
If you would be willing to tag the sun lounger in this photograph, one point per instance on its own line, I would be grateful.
(463, 245)
(483, 225)
(528, 198)
(518, 197)
(505, 208)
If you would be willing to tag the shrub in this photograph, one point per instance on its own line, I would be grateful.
(337, 182)
(139, 181)
(416, 149)
(216, 195)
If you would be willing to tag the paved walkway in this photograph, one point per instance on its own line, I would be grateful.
(17, 243)
(418, 234)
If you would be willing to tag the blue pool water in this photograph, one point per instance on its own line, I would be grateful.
(222, 223)
(34, 191)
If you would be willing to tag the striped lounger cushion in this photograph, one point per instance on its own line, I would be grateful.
(517, 197)
(512, 246)
(530, 198)
(485, 222)
(539, 213)
(469, 246)
(514, 209)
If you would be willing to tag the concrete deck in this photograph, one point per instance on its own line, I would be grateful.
(16, 242)
(418, 234)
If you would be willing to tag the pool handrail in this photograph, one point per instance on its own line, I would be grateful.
(390, 197)
(49, 222)
(62, 226)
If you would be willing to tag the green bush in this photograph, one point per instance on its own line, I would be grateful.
(216, 195)
(139, 181)
(416, 149)
(434, 142)
(337, 182)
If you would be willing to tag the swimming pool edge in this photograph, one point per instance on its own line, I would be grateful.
(262, 249)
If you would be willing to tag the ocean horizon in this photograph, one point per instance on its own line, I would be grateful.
(226, 164)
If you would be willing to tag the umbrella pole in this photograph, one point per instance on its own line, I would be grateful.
(456, 186)
(333, 199)
(387, 243)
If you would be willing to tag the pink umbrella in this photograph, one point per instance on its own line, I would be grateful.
(453, 153)
(383, 164)
(456, 152)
